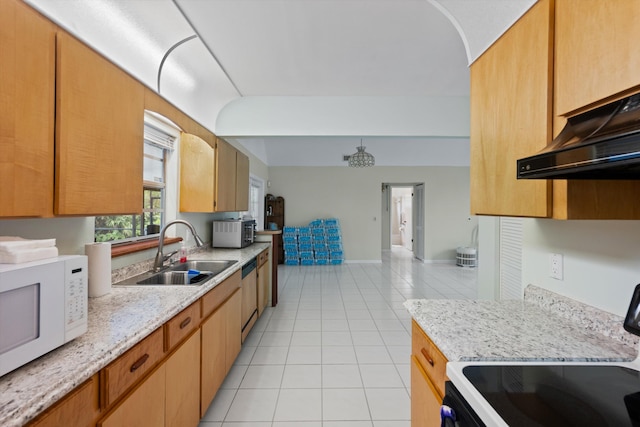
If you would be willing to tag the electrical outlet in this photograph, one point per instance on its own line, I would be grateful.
(555, 266)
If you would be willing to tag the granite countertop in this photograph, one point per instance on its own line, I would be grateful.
(543, 327)
(116, 322)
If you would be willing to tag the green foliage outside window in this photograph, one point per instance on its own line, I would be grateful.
(118, 227)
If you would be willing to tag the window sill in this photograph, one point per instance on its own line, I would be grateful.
(142, 245)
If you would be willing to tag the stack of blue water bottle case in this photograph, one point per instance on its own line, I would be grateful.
(319, 243)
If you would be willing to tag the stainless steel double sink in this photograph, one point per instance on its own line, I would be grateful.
(190, 273)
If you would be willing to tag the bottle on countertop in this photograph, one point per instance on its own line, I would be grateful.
(183, 253)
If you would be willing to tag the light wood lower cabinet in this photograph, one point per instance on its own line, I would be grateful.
(425, 399)
(144, 407)
(79, 408)
(263, 281)
(428, 375)
(221, 344)
(182, 398)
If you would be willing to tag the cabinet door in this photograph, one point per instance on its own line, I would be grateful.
(425, 400)
(182, 405)
(99, 134)
(233, 329)
(597, 52)
(213, 357)
(263, 286)
(511, 117)
(144, 407)
(79, 408)
(196, 174)
(242, 182)
(225, 182)
(27, 67)
(220, 347)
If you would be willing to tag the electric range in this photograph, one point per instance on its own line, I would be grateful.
(549, 394)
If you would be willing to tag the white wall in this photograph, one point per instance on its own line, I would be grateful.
(354, 197)
(601, 260)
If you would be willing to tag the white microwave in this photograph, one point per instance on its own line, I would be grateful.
(43, 305)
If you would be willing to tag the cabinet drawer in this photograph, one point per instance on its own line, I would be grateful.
(263, 257)
(429, 357)
(129, 368)
(181, 325)
(216, 296)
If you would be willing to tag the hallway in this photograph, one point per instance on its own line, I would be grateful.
(335, 351)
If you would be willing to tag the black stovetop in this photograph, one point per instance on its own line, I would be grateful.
(560, 395)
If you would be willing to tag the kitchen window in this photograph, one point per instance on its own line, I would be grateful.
(256, 201)
(159, 140)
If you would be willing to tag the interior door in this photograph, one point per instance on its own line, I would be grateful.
(418, 221)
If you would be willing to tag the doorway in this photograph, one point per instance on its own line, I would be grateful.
(403, 218)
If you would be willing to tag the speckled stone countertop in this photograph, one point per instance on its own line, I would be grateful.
(544, 327)
(116, 322)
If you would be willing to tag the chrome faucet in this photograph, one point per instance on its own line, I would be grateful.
(160, 258)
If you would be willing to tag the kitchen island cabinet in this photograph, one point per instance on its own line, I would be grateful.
(27, 90)
(99, 134)
(428, 376)
(545, 327)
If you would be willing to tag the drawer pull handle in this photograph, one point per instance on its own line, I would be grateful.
(185, 322)
(426, 356)
(139, 362)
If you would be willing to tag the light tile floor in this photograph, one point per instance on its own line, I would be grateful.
(335, 350)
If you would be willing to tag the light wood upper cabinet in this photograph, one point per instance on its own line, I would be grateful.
(242, 182)
(597, 55)
(27, 90)
(197, 165)
(99, 134)
(511, 117)
(226, 176)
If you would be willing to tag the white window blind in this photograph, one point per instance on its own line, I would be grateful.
(159, 138)
(510, 264)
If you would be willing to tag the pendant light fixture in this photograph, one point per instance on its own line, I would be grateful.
(361, 159)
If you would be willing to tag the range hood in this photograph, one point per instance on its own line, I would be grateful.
(603, 143)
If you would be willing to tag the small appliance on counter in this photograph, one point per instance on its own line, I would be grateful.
(43, 305)
(233, 233)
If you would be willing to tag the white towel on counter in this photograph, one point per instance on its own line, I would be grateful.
(15, 250)
(10, 243)
(25, 255)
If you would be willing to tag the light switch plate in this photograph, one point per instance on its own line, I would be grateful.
(556, 270)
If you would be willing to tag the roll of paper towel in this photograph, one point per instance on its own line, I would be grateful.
(99, 258)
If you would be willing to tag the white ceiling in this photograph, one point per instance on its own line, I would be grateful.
(369, 50)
